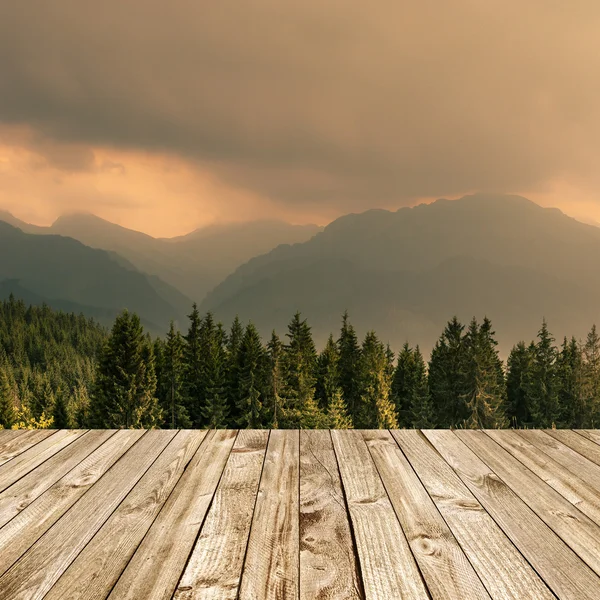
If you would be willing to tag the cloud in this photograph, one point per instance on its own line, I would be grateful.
(314, 106)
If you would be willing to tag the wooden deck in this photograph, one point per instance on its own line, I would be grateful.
(309, 514)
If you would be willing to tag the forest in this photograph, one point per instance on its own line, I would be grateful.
(63, 370)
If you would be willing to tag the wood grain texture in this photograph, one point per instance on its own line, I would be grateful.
(20, 441)
(478, 534)
(379, 537)
(214, 569)
(582, 451)
(577, 491)
(562, 570)
(567, 521)
(32, 576)
(93, 574)
(328, 565)
(271, 568)
(25, 462)
(159, 561)
(19, 534)
(445, 568)
(22, 493)
(590, 434)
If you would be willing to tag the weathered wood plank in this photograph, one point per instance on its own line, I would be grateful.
(445, 568)
(22, 493)
(562, 570)
(12, 471)
(214, 569)
(570, 487)
(271, 568)
(159, 561)
(19, 534)
(580, 447)
(590, 434)
(32, 576)
(564, 455)
(569, 523)
(379, 537)
(328, 565)
(21, 441)
(478, 534)
(95, 571)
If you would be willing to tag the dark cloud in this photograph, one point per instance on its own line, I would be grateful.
(345, 103)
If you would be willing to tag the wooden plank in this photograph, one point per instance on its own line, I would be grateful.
(570, 487)
(445, 568)
(13, 470)
(22, 440)
(214, 569)
(553, 446)
(32, 576)
(95, 571)
(478, 534)
(159, 561)
(590, 434)
(18, 535)
(562, 570)
(271, 568)
(328, 565)
(570, 524)
(379, 537)
(8, 435)
(22, 493)
(582, 446)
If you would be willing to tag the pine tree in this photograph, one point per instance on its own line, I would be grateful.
(518, 367)
(8, 414)
(234, 343)
(410, 391)
(299, 372)
(252, 368)
(273, 404)
(192, 367)
(171, 383)
(569, 368)
(590, 414)
(447, 377)
(215, 410)
(376, 410)
(124, 394)
(337, 415)
(328, 379)
(484, 393)
(60, 413)
(542, 384)
(348, 366)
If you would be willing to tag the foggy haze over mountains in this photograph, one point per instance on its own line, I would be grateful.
(402, 273)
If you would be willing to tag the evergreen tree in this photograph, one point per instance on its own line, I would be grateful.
(8, 414)
(410, 391)
(171, 392)
(518, 367)
(376, 410)
(60, 415)
(337, 414)
(215, 411)
(348, 366)
(124, 394)
(484, 380)
(328, 379)
(299, 372)
(234, 343)
(252, 368)
(590, 412)
(192, 369)
(273, 404)
(447, 377)
(542, 383)
(571, 401)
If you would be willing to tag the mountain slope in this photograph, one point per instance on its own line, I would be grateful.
(405, 273)
(68, 275)
(194, 263)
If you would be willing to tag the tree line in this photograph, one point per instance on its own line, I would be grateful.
(60, 370)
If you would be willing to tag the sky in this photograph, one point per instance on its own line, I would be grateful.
(165, 116)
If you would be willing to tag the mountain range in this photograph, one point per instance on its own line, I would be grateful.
(402, 273)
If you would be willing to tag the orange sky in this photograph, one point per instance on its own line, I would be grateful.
(303, 110)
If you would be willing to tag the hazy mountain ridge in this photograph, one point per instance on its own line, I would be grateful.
(405, 273)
